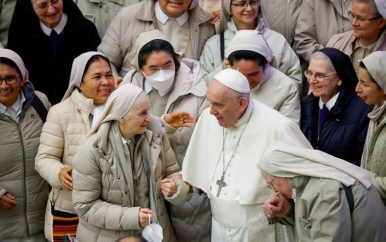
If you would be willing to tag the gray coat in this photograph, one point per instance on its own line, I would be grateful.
(322, 212)
(103, 194)
(18, 147)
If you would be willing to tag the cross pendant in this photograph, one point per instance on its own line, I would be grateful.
(220, 184)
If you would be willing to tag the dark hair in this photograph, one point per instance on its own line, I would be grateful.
(10, 63)
(362, 65)
(156, 45)
(93, 59)
(247, 55)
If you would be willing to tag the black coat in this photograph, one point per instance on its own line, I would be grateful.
(343, 133)
(50, 73)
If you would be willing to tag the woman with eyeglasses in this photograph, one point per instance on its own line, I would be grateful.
(173, 84)
(48, 35)
(23, 193)
(333, 200)
(333, 118)
(372, 89)
(246, 15)
(368, 34)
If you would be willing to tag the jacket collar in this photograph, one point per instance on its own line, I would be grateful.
(81, 102)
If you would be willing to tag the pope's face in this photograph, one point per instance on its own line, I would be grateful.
(225, 108)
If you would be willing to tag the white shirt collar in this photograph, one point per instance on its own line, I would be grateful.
(330, 102)
(162, 17)
(58, 29)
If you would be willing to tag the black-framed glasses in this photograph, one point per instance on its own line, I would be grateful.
(10, 80)
(270, 184)
(243, 4)
(318, 76)
(44, 6)
(361, 19)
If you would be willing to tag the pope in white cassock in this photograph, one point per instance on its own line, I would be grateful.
(222, 160)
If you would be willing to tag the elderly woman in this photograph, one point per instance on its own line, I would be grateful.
(67, 125)
(48, 35)
(333, 118)
(334, 200)
(173, 84)
(23, 193)
(120, 171)
(243, 15)
(372, 89)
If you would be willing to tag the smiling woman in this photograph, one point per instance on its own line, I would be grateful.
(128, 164)
(67, 125)
(48, 35)
(333, 118)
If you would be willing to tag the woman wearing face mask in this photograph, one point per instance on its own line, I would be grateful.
(246, 15)
(91, 83)
(172, 84)
(123, 172)
(372, 89)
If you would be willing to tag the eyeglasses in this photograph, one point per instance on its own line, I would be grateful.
(44, 6)
(10, 80)
(245, 4)
(270, 185)
(318, 76)
(359, 18)
(167, 66)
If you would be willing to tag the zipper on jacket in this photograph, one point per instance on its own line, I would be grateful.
(24, 182)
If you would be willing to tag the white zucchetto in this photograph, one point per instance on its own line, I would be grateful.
(233, 79)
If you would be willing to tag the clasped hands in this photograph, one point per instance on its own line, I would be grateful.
(277, 206)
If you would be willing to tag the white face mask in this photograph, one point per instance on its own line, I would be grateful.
(161, 80)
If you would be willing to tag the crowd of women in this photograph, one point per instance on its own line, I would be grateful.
(127, 81)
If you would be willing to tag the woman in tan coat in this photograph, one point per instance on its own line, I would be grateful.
(124, 170)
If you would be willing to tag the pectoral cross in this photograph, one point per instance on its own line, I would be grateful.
(220, 184)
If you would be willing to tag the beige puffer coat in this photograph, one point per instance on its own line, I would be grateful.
(65, 129)
(118, 42)
(18, 146)
(103, 193)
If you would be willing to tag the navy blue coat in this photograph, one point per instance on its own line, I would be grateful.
(50, 73)
(343, 133)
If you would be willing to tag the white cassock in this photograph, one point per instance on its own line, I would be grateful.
(238, 211)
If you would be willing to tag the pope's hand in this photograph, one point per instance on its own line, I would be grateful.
(117, 82)
(225, 63)
(179, 119)
(277, 206)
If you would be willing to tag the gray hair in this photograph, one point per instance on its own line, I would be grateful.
(236, 95)
(321, 56)
(372, 4)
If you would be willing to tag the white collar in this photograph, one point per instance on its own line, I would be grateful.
(162, 17)
(58, 29)
(330, 103)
